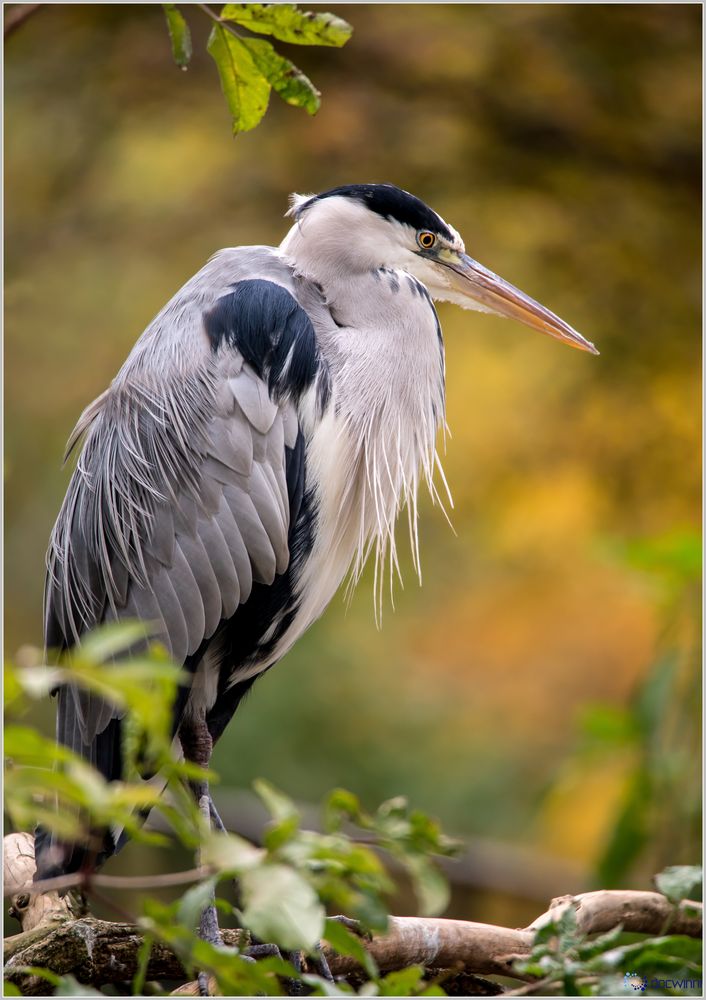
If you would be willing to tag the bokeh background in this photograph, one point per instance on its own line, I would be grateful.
(540, 693)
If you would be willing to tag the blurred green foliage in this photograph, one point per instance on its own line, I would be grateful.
(656, 734)
(47, 783)
(563, 141)
(284, 887)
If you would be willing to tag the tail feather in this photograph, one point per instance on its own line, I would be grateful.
(104, 752)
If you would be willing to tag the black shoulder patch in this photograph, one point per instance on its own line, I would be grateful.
(392, 203)
(272, 332)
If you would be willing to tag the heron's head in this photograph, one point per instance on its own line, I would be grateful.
(354, 229)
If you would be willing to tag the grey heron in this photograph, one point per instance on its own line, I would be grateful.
(257, 445)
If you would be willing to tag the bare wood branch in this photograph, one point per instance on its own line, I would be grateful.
(98, 951)
(31, 910)
(643, 912)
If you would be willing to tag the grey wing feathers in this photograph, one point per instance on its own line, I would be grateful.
(180, 502)
(182, 551)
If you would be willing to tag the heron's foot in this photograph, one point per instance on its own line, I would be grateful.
(210, 932)
(294, 987)
(204, 983)
(354, 926)
(316, 963)
(320, 965)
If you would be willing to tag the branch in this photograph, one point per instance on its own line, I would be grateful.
(18, 15)
(99, 951)
(221, 22)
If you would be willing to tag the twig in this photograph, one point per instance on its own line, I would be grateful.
(126, 883)
(219, 20)
(18, 15)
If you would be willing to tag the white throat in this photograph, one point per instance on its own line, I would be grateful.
(377, 441)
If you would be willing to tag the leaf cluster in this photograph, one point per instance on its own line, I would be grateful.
(284, 887)
(249, 67)
(47, 783)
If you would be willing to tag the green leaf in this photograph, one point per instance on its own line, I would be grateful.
(588, 949)
(226, 852)
(677, 553)
(567, 922)
(345, 942)
(179, 34)
(369, 909)
(325, 988)
(194, 902)
(629, 833)
(143, 958)
(289, 24)
(70, 987)
(545, 929)
(341, 805)
(430, 885)
(34, 970)
(608, 726)
(681, 882)
(111, 640)
(674, 951)
(289, 82)
(26, 744)
(245, 89)
(404, 983)
(277, 804)
(281, 907)
(281, 833)
(10, 990)
(37, 682)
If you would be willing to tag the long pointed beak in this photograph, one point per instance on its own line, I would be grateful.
(471, 280)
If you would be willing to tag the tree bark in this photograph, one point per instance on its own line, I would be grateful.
(99, 952)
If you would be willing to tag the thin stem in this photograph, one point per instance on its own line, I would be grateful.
(125, 882)
(219, 20)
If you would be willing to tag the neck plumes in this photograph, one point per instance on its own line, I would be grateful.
(377, 440)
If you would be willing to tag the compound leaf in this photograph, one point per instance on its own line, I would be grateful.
(289, 24)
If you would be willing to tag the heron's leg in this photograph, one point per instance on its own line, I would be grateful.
(219, 825)
(216, 820)
(197, 745)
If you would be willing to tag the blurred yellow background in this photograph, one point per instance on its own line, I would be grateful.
(563, 142)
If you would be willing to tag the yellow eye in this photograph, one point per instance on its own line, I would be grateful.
(426, 240)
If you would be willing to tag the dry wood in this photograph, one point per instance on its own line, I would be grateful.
(99, 952)
(33, 911)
